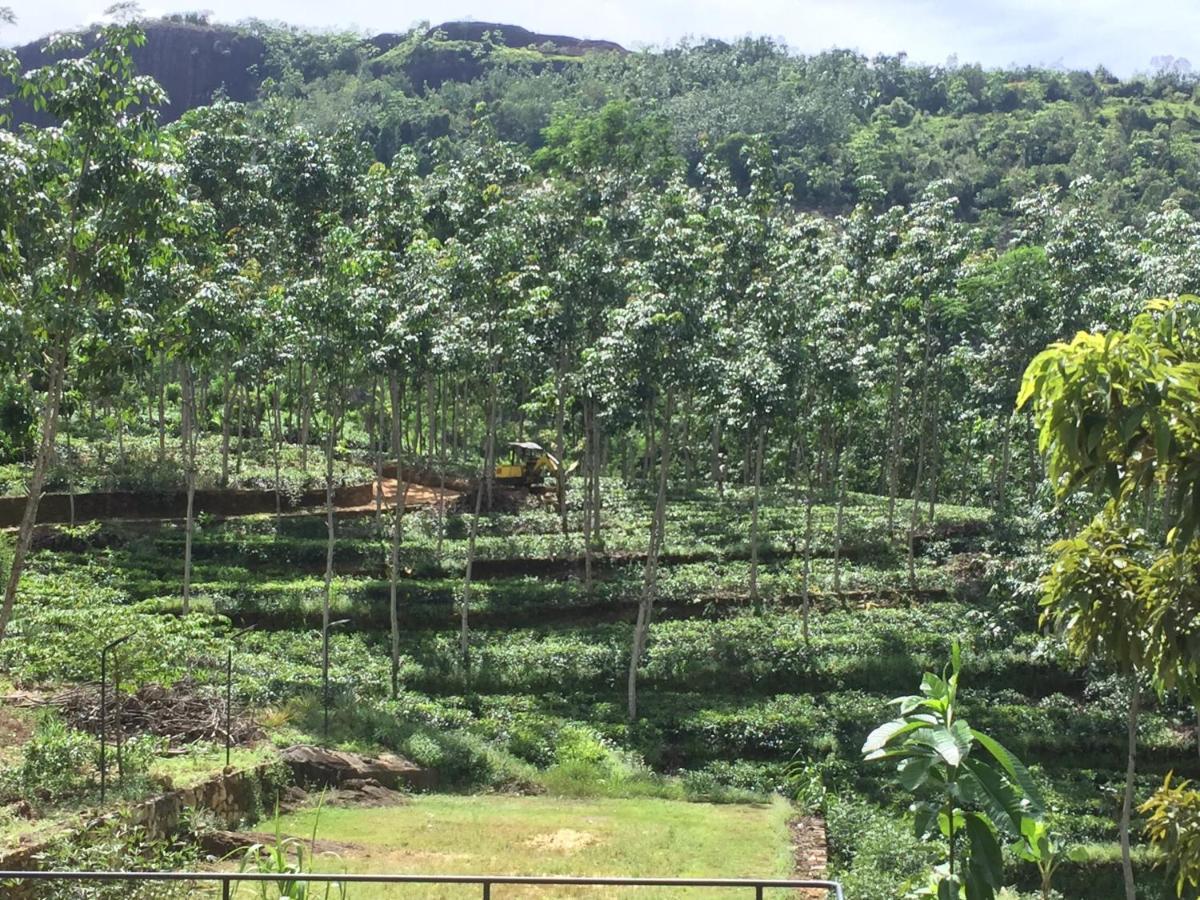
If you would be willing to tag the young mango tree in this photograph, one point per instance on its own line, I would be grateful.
(968, 789)
(1116, 413)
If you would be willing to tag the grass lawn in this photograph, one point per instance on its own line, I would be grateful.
(443, 834)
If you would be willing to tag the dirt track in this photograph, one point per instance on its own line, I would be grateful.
(418, 497)
(352, 500)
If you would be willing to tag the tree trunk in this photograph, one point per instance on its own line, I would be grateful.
(1005, 464)
(276, 440)
(226, 423)
(934, 447)
(561, 435)
(685, 447)
(488, 466)
(418, 444)
(588, 474)
(837, 534)
(189, 429)
(70, 467)
(397, 524)
(305, 419)
(597, 471)
(489, 471)
(330, 521)
(650, 574)
(375, 442)
(162, 406)
(892, 466)
(754, 534)
(119, 413)
(922, 452)
(243, 400)
(714, 452)
(431, 451)
(37, 481)
(1127, 800)
(442, 472)
(807, 572)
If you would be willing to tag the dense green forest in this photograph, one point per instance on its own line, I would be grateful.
(774, 312)
(829, 120)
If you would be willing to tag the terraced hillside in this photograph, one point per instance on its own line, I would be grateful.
(737, 702)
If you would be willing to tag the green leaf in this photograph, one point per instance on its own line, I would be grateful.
(885, 733)
(983, 786)
(1015, 770)
(913, 771)
(943, 742)
(925, 815)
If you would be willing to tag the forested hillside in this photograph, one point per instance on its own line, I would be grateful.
(830, 119)
(278, 364)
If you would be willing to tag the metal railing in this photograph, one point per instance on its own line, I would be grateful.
(486, 882)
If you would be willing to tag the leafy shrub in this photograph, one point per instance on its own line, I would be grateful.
(875, 852)
(113, 846)
(58, 762)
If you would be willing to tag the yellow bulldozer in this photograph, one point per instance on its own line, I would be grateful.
(527, 466)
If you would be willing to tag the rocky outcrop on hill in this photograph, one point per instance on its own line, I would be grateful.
(518, 37)
(335, 768)
(191, 62)
(195, 61)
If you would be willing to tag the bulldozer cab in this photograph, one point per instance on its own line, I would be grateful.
(528, 464)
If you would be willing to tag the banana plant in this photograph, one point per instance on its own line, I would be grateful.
(967, 787)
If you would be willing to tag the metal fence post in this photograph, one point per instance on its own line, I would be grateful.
(108, 648)
(225, 889)
(487, 890)
(758, 892)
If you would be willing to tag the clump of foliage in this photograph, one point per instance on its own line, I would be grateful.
(967, 798)
(286, 856)
(61, 763)
(115, 846)
(1173, 824)
(58, 762)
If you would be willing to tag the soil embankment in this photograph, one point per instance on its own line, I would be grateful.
(354, 499)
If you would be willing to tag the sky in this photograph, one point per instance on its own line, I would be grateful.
(1122, 35)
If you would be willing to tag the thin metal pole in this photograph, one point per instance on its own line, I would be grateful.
(225, 889)
(229, 690)
(104, 711)
(228, 711)
(119, 740)
(487, 890)
(758, 892)
(103, 722)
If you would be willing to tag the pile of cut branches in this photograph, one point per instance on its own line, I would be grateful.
(184, 713)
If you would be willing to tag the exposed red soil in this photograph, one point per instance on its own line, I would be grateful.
(418, 496)
(349, 500)
(16, 728)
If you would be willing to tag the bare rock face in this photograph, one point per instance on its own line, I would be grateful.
(197, 61)
(192, 62)
(334, 768)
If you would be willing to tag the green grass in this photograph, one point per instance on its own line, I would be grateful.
(440, 834)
